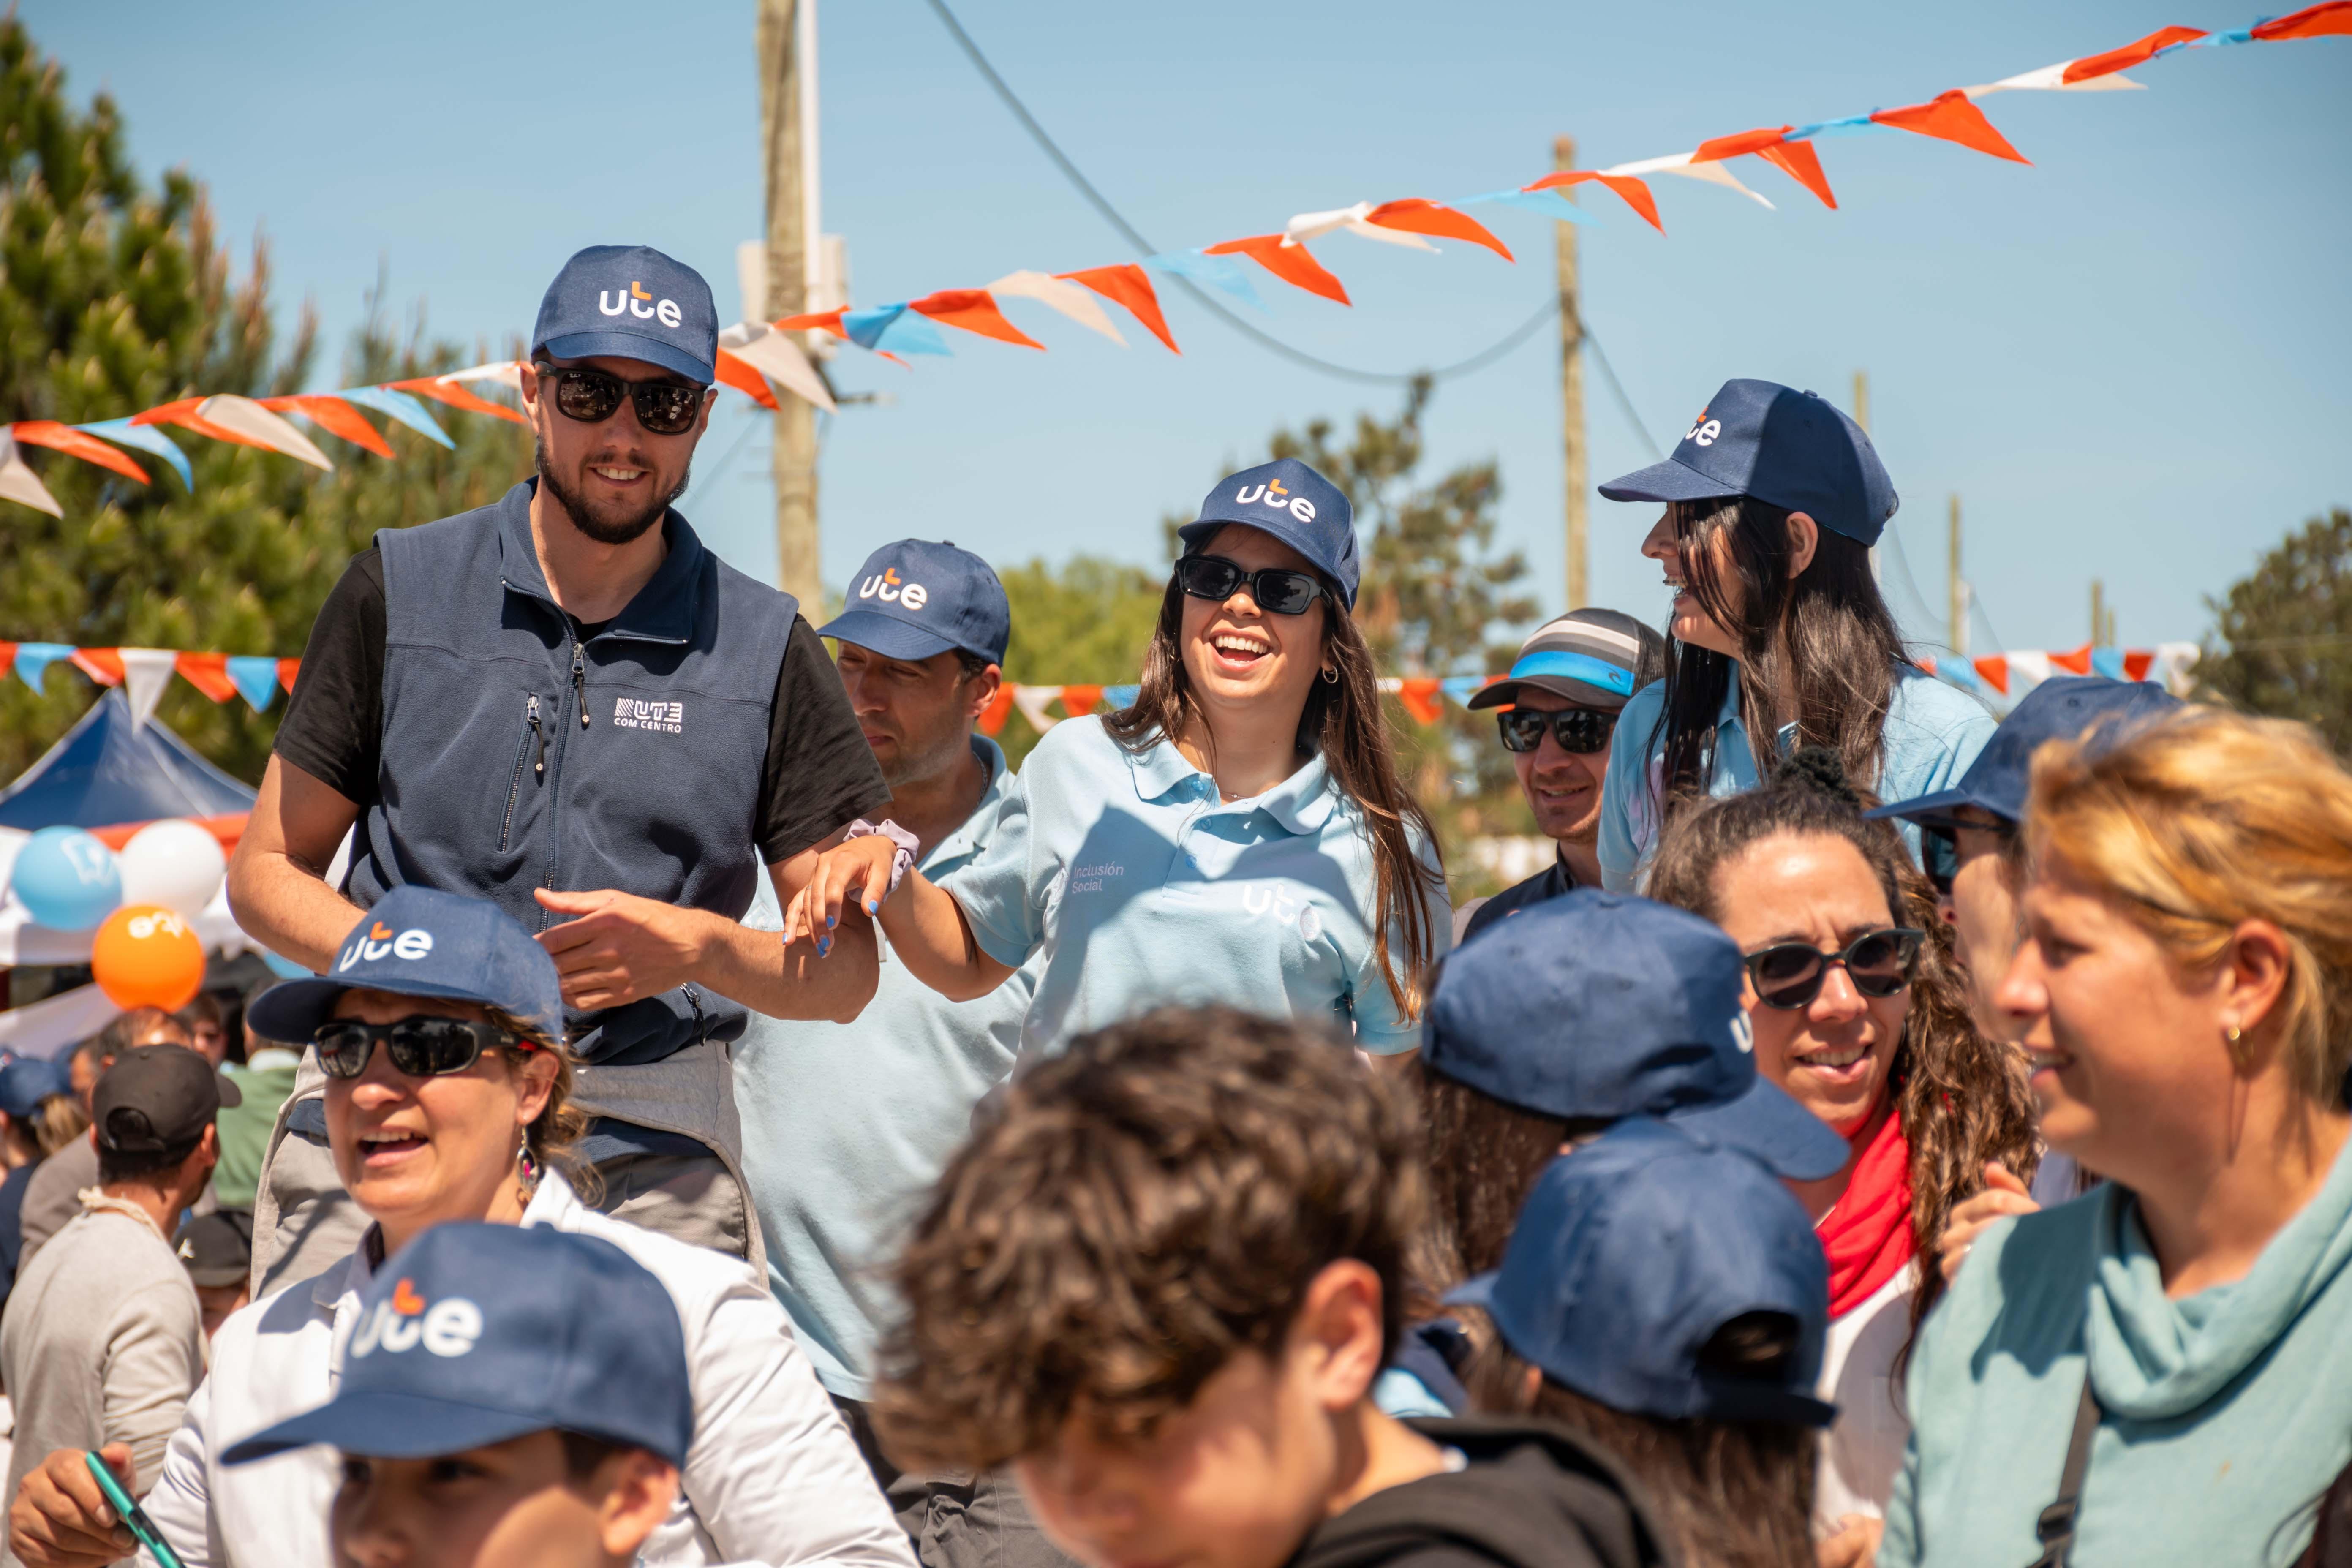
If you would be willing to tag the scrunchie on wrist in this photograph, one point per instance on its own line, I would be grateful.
(903, 842)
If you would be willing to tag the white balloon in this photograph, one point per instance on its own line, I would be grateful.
(174, 863)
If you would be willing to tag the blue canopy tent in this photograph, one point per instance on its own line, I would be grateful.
(108, 770)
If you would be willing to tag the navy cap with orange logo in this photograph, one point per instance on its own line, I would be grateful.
(1297, 505)
(1786, 448)
(630, 302)
(913, 599)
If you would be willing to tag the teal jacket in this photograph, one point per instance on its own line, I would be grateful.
(2228, 1413)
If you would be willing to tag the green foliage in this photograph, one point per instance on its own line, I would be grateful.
(2282, 642)
(115, 298)
(1087, 622)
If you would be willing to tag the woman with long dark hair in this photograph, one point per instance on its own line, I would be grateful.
(1778, 636)
(1856, 1010)
(1240, 833)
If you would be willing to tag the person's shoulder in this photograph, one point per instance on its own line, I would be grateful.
(1922, 703)
(1644, 704)
(2025, 1281)
(1078, 746)
(696, 1278)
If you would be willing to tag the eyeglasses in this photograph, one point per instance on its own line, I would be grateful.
(1939, 856)
(1789, 975)
(590, 396)
(1579, 730)
(1277, 589)
(421, 1046)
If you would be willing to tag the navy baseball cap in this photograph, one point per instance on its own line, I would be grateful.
(1591, 656)
(1790, 448)
(474, 1334)
(632, 301)
(25, 1081)
(1297, 505)
(915, 598)
(2054, 710)
(1630, 1254)
(421, 942)
(1604, 1006)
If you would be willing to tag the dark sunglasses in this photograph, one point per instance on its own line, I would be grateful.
(1789, 975)
(421, 1048)
(1277, 589)
(1579, 730)
(590, 396)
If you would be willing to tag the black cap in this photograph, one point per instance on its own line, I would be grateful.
(217, 1247)
(156, 1098)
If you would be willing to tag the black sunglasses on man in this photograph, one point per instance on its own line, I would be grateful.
(664, 407)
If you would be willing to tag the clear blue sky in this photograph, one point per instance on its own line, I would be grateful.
(2129, 360)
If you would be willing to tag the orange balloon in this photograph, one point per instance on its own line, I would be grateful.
(146, 957)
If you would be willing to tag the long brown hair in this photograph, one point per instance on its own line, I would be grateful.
(1343, 723)
(1731, 1494)
(1818, 650)
(1962, 1099)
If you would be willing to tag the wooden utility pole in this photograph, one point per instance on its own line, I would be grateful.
(1959, 633)
(2099, 612)
(786, 34)
(1574, 475)
(1862, 418)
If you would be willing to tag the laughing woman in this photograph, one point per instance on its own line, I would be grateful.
(1238, 835)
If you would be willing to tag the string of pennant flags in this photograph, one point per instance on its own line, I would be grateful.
(756, 358)
(144, 673)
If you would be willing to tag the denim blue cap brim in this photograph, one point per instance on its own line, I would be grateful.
(1478, 1290)
(384, 1426)
(1666, 481)
(1769, 1126)
(631, 345)
(1937, 810)
(891, 637)
(292, 1010)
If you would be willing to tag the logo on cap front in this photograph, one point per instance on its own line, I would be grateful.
(636, 302)
(379, 940)
(890, 589)
(445, 1328)
(1275, 495)
(1704, 431)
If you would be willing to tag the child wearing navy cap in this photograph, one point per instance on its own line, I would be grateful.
(1159, 1281)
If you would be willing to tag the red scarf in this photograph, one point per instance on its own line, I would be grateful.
(1868, 1234)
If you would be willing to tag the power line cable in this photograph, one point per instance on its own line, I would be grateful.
(1144, 247)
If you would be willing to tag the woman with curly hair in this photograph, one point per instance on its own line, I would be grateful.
(1858, 1014)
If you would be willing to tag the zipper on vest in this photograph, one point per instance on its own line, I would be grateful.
(514, 789)
(580, 682)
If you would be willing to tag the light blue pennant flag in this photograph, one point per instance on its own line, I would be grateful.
(34, 659)
(399, 406)
(146, 438)
(1551, 203)
(255, 676)
(1221, 273)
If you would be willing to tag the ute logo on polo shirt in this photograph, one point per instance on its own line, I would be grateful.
(640, 304)
(1273, 493)
(445, 1328)
(889, 589)
(378, 940)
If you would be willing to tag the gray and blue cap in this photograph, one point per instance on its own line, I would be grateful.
(1595, 658)
(632, 303)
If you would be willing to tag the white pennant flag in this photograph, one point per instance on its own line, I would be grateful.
(1031, 701)
(19, 483)
(1059, 294)
(247, 417)
(146, 672)
(774, 355)
(2033, 668)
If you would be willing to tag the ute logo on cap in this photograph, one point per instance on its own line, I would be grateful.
(1704, 431)
(378, 940)
(664, 311)
(1273, 493)
(446, 1328)
(890, 590)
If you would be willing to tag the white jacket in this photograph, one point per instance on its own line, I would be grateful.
(772, 1477)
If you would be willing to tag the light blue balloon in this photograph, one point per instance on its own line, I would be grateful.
(66, 879)
(284, 968)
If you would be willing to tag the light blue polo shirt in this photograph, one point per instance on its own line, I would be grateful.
(1933, 732)
(1140, 889)
(845, 1126)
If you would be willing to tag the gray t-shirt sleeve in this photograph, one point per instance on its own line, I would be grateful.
(154, 1359)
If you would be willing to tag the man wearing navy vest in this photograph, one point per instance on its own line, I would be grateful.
(564, 703)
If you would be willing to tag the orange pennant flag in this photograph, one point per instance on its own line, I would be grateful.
(744, 379)
(2332, 19)
(1950, 117)
(1414, 215)
(208, 673)
(333, 415)
(2131, 54)
(65, 438)
(1721, 147)
(2078, 662)
(973, 309)
(1291, 263)
(822, 321)
(1801, 164)
(1130, 286)
(1000, 707)
(1419, 693)
(1994, 667)
(287, 670)
(1079, 702)
(1637, 195)
(103, 665)
(456, 397)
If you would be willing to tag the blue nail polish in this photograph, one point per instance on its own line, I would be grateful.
(823, 947)
(871, 906)
(831, 921)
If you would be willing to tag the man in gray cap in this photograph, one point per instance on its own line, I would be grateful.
(1559, 706)
(564, 703)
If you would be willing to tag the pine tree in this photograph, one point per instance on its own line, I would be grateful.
(115, 297)
(2282, 642)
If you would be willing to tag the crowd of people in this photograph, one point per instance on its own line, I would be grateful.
(1879, 1135)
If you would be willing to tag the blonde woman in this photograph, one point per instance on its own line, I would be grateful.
(2166, 1355)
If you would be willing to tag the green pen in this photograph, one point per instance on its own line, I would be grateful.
(130, 1513)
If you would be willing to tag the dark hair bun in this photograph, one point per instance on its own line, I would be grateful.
(1817, 770)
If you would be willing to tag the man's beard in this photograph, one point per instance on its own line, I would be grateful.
(623, 531)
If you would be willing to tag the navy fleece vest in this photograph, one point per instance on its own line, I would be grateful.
(513, 759)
